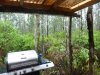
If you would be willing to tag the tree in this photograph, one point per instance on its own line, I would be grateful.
(30, 22)
(98, 17)
(38, 30)
(91, 39)
(42, 27)
(70, 47)
(47, 27)
(81, 26)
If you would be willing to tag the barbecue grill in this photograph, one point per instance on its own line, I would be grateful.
(26, 63)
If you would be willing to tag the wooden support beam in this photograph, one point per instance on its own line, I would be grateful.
(24, 5)
(70, 47)
(80, 4)
(91, 40)
(33, 6)
(48, 4)
(20, 9)
(83, 4)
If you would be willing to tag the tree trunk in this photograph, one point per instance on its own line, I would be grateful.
(67, 43)
(38, 30)
(91, 40)
(43, 51)
(47, 27)
(98, 18)
(35, 35)
(63, 28)
(70, 47)
(81, 28)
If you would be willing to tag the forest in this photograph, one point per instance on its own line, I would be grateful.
(49, 35)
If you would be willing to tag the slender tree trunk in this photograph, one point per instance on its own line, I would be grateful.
(35, 36)
(81, 28)
(63, 28)
(66, 31)
(91, 40)
(70, 47)
(43, 51)
(47, 27)
(38, 30)
(67, 43)
(98, 19)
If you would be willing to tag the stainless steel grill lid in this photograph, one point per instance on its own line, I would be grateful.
(22, 59)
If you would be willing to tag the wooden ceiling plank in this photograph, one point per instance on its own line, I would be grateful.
(83, 5)
(48, 2)
(2, 1)
(21, 2)
(36, 1)
(44, 2)
(25, 5)
(50, 6)
(79, 4)
(58, 2)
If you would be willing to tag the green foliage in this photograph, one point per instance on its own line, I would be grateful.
(81, 61)
(81, 57)
(56, 42)
(7, 33)
(80, 40)
(12, 40)
(97, 40)
(97, 43)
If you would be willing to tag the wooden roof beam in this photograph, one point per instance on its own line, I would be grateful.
(83, 4)
(80, 4)
(55, 5)
(25, 5)
(19, 9)
(58, 2)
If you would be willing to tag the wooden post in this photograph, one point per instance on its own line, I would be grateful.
(91, 39)
(70, 47)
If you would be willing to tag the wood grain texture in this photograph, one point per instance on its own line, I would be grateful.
(62, 6)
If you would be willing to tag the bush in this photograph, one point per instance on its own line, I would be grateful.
(81, 61)
(12, 40)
